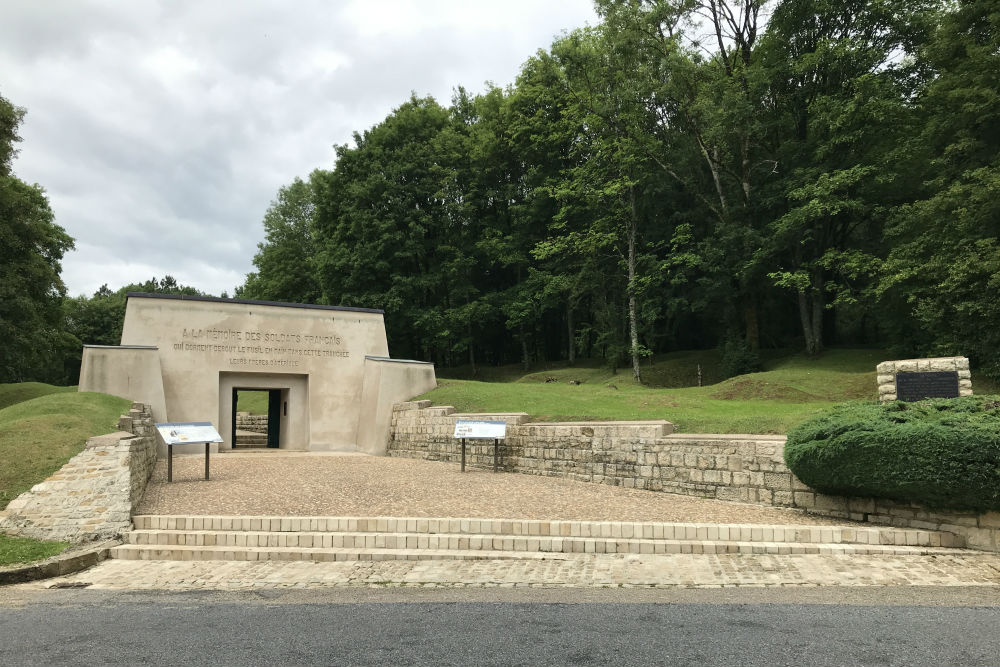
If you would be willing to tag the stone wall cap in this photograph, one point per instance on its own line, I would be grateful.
(249, 302)
(727, 436)
(490, 414)
(108, 439)
(896, 361)
(398, 361)
(647, 422)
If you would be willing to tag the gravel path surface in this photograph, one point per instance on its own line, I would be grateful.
(353, 485)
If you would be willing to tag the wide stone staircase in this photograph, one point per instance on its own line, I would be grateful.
(260, 538)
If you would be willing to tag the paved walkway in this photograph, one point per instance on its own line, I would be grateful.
(582, 571)
(299, 484)
(275, 483)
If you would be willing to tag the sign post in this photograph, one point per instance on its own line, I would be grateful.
(481, 430)
(186, 433)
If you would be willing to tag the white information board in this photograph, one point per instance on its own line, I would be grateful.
(179, 433)
(476, 429)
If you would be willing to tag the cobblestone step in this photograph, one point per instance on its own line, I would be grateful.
(310, 541)
(534, 528)
(327, 554)
(204, 553)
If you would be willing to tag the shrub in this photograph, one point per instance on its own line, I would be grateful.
(940, 453)
(738, 358)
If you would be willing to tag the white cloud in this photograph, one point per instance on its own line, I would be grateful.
(162, 130)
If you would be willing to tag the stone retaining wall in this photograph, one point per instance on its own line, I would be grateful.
(248, 422)
(92, 496)
(741, 468)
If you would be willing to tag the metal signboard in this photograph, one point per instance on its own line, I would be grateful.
(480, 429)
(181, 433)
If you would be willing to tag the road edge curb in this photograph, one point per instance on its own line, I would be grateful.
(62, 564)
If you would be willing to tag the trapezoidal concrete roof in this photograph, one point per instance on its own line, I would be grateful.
(250, 302)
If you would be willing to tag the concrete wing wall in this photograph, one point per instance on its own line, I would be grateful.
(387, 382)
(130, 372)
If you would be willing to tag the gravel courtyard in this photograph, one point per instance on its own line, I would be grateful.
(298, 484)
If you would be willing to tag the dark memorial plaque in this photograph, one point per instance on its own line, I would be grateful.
(928, 384)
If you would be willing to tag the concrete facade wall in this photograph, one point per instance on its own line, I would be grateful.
(131, 372)
(94, 495)
(186, 355)
(740, 468)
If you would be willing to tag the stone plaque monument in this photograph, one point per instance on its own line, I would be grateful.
(917, 379)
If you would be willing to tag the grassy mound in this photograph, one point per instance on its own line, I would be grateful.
(791, 389)
(25, 391)
(37, 436)
(944, 454)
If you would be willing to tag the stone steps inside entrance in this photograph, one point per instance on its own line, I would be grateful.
(529, 528)
(250, 439)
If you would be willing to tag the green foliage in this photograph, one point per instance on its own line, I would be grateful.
(738, 358)
(31, 249)
(39, 435)
(286, 260)
(944, 454)
(803, 172)
(15, 550)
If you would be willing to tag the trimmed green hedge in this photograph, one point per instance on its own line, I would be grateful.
(940, 453)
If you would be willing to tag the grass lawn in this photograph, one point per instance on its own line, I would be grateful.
(23, 550)
(39, 435)
(792, 388)
(254, 402)
(23, 391)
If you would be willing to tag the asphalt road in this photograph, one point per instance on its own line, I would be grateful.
(467, 628)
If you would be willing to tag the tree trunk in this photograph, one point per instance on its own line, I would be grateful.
(524, 350)
(811, 313)
(817, 307)
(472, 353)
(804, 317)
(752, 323)
(632, 318)
(570, 338)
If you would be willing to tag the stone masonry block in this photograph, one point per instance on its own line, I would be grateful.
(778, 481)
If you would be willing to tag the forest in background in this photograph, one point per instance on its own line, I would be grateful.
(686, 174)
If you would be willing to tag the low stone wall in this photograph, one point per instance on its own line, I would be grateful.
(645, 455)
(253, 423)
(92, 496)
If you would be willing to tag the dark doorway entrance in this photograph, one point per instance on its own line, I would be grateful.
(257, 402)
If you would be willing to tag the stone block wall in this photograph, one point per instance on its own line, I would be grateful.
(886, 373)
(646, 455)
(93, 496)
(248, 422)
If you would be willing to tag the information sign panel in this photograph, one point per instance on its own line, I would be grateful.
(179, 433)
(480, 429)
(917, 386)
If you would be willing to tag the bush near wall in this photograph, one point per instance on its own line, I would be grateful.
(941, 453)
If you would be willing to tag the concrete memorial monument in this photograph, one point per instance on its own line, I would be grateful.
(331, 384)
(917, 379)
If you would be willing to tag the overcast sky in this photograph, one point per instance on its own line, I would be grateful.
(162, 130)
